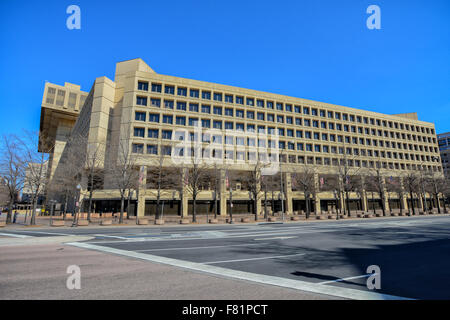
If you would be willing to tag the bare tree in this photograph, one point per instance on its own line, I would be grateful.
(123, 172)
(196, 174)
(411, 185)
(36, 177)
(162, 179)
(375, 179)
(436, 185)
(394, 185)
(252, 179)
(303, 178)
(93, 169)
(12, 169)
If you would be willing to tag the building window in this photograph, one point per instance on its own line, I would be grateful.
(206, 108)
(228, 98)
(168, 104)
(166, 134)
(240, 100)
(181, 121)
(167, 119)
(193, 107)
(153, 133)
(141, 101)
(169, 89)
(140, 116)
(137, 148)
(181, 106)
(206, 123)
(139, 132)
(260, 103)
(206, 95)
(217, 96)
(152, 149)
(155, 102)
(217, 110)
(217, 124)
(156, 87)
(250, 115)
(182, 92)
(194, 93)
(142, 85)
(250, 101)
(229, 112)
(153, 117)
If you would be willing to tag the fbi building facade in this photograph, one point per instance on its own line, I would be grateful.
(145, 111)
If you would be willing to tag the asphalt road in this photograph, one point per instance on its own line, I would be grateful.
(324, 257)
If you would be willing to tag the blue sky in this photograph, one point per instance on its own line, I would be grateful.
(319, 50)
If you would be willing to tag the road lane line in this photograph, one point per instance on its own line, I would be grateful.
(14, 235)
(192, 248)
(281, 238)
(251, 259)
(248, 276)
(349, 278)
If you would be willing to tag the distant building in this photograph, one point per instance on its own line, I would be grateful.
(30, 173)
(444, 148)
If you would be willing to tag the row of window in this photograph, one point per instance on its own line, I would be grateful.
(167, 134)
(252, 156)
(229, 125)
(250, 101)
(298, 121)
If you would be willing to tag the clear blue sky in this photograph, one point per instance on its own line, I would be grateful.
(320, 50)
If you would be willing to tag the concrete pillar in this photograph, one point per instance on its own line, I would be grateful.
(142, 187)
(288, 193)
(316, 197)
(364, 201)
(421, 202)
(223, 194)
(404, 201)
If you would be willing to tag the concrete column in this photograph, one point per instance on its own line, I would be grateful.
(364, 201)
(316, 198)
(142, 187)
(223, 194)
(404, 201)
(288, 193)
(421, 202)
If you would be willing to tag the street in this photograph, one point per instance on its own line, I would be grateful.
(313, 260)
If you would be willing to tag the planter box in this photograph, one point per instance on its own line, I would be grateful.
(213, 221)
(295, 218)
(2, 224)
(272, 219)
(359, 215)
(58, 223)
(378, 215)
(320, 217)
(330, 217)
(245, 220)
(422, 213)
(83, 223)
(145, 221)
(394, 214)
(184, 221)
(106, 223)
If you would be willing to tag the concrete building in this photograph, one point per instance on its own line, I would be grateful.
(444, 148)
(150, 113)
(31, 173)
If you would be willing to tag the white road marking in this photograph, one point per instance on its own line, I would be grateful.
(251, 259)
(192, 248)
(242, 275)
(349, 278)
(52, 233)
(15, 235)
(106, 236)
(281, 238)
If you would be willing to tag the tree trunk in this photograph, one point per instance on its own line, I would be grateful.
(122, 204)
(9, 214)
(66, 200)
(194, 208)
(33, 214)
(90, 205)
(412, 203)
(158, 209)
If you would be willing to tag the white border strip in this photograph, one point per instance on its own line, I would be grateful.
(242, 275)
